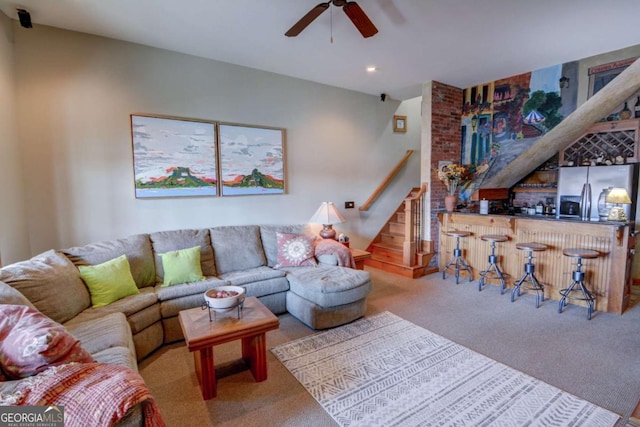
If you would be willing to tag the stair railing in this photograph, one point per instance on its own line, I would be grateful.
(413, 230)
(366, 205)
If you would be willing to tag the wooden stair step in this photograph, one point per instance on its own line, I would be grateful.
(392, 239)
(422, 258)
(412, 272)
(389, 233)
(396, 227)
(386, 256)
(386, 246)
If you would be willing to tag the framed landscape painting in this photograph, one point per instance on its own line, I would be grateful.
(251, 160)
(174, 157)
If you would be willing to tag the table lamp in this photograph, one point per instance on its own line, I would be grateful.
(618, 196)
(327, 215)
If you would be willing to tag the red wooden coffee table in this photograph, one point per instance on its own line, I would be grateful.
(201, 335)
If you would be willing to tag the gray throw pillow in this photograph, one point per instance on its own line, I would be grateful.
(137, 248)
(9, 295)
(237, 247)
(175, 240)
(51, 282)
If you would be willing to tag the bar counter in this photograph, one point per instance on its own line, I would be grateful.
(608, 276)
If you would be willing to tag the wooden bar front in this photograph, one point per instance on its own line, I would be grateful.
(608, 276)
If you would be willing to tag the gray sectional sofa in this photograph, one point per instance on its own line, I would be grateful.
(131, 328)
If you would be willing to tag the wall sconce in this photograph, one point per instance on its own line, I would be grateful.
(564, 82)
(618, 196)
(474, 122)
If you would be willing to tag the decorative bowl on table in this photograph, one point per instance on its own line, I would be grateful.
(224, 298)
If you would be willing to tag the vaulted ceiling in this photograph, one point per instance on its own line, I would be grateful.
(458, 42)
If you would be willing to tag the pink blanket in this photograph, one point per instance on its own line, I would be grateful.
(333, 247)
(93, 394)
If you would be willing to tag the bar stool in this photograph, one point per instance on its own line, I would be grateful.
(577, 286)
(457, 263)
(497, 274)
(529, 269)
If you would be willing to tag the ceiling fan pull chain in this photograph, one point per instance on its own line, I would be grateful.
(331, 23)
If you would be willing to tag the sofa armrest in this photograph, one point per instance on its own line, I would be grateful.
(341, 253)
(327, 259)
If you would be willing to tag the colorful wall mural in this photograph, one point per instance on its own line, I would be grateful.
(501, 119)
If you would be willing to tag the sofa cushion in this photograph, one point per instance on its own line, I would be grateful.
(317, 317)
(270, 241)
(237, 248)
(51, 282)
(295, 250)
(30, 342)
(117, 356)
(329, 286)
(181, 266)
(129, 306)
(137, 248)
(172, 307)
(276, 285)
(9, 295)
(108, 282)
(108, 331)
(194, 288)
(259, 281)
(167, 241)
(242, 277)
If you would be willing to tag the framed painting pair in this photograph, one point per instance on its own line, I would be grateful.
(179, 157)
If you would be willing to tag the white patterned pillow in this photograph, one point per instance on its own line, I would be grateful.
(295, 250)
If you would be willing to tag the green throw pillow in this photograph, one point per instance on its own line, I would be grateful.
(109, 281)
(181, 266)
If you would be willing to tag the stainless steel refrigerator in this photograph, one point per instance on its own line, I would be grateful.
(571, 181)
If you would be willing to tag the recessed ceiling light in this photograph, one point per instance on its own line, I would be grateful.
(371, 69)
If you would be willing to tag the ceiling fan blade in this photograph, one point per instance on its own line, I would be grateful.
(307, 19)
(360, 19)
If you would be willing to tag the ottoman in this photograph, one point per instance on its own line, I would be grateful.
(327, 296)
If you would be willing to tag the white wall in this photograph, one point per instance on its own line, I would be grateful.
(425, 167)
(13, 242)
(75, 93)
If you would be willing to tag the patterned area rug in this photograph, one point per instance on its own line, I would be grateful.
(385, 371)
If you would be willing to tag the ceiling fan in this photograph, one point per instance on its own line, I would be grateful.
(351, 8)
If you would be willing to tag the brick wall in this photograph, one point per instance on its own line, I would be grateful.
(523, 80)
(446, 107)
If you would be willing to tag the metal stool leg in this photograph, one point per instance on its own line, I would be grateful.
(457, 263)
(492, 264)
(529, 277)
(587, 296)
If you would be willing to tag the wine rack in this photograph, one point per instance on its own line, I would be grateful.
(603, 142)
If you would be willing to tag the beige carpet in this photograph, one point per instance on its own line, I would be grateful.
(596, 360)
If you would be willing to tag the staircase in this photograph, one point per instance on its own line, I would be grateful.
(399, 248)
